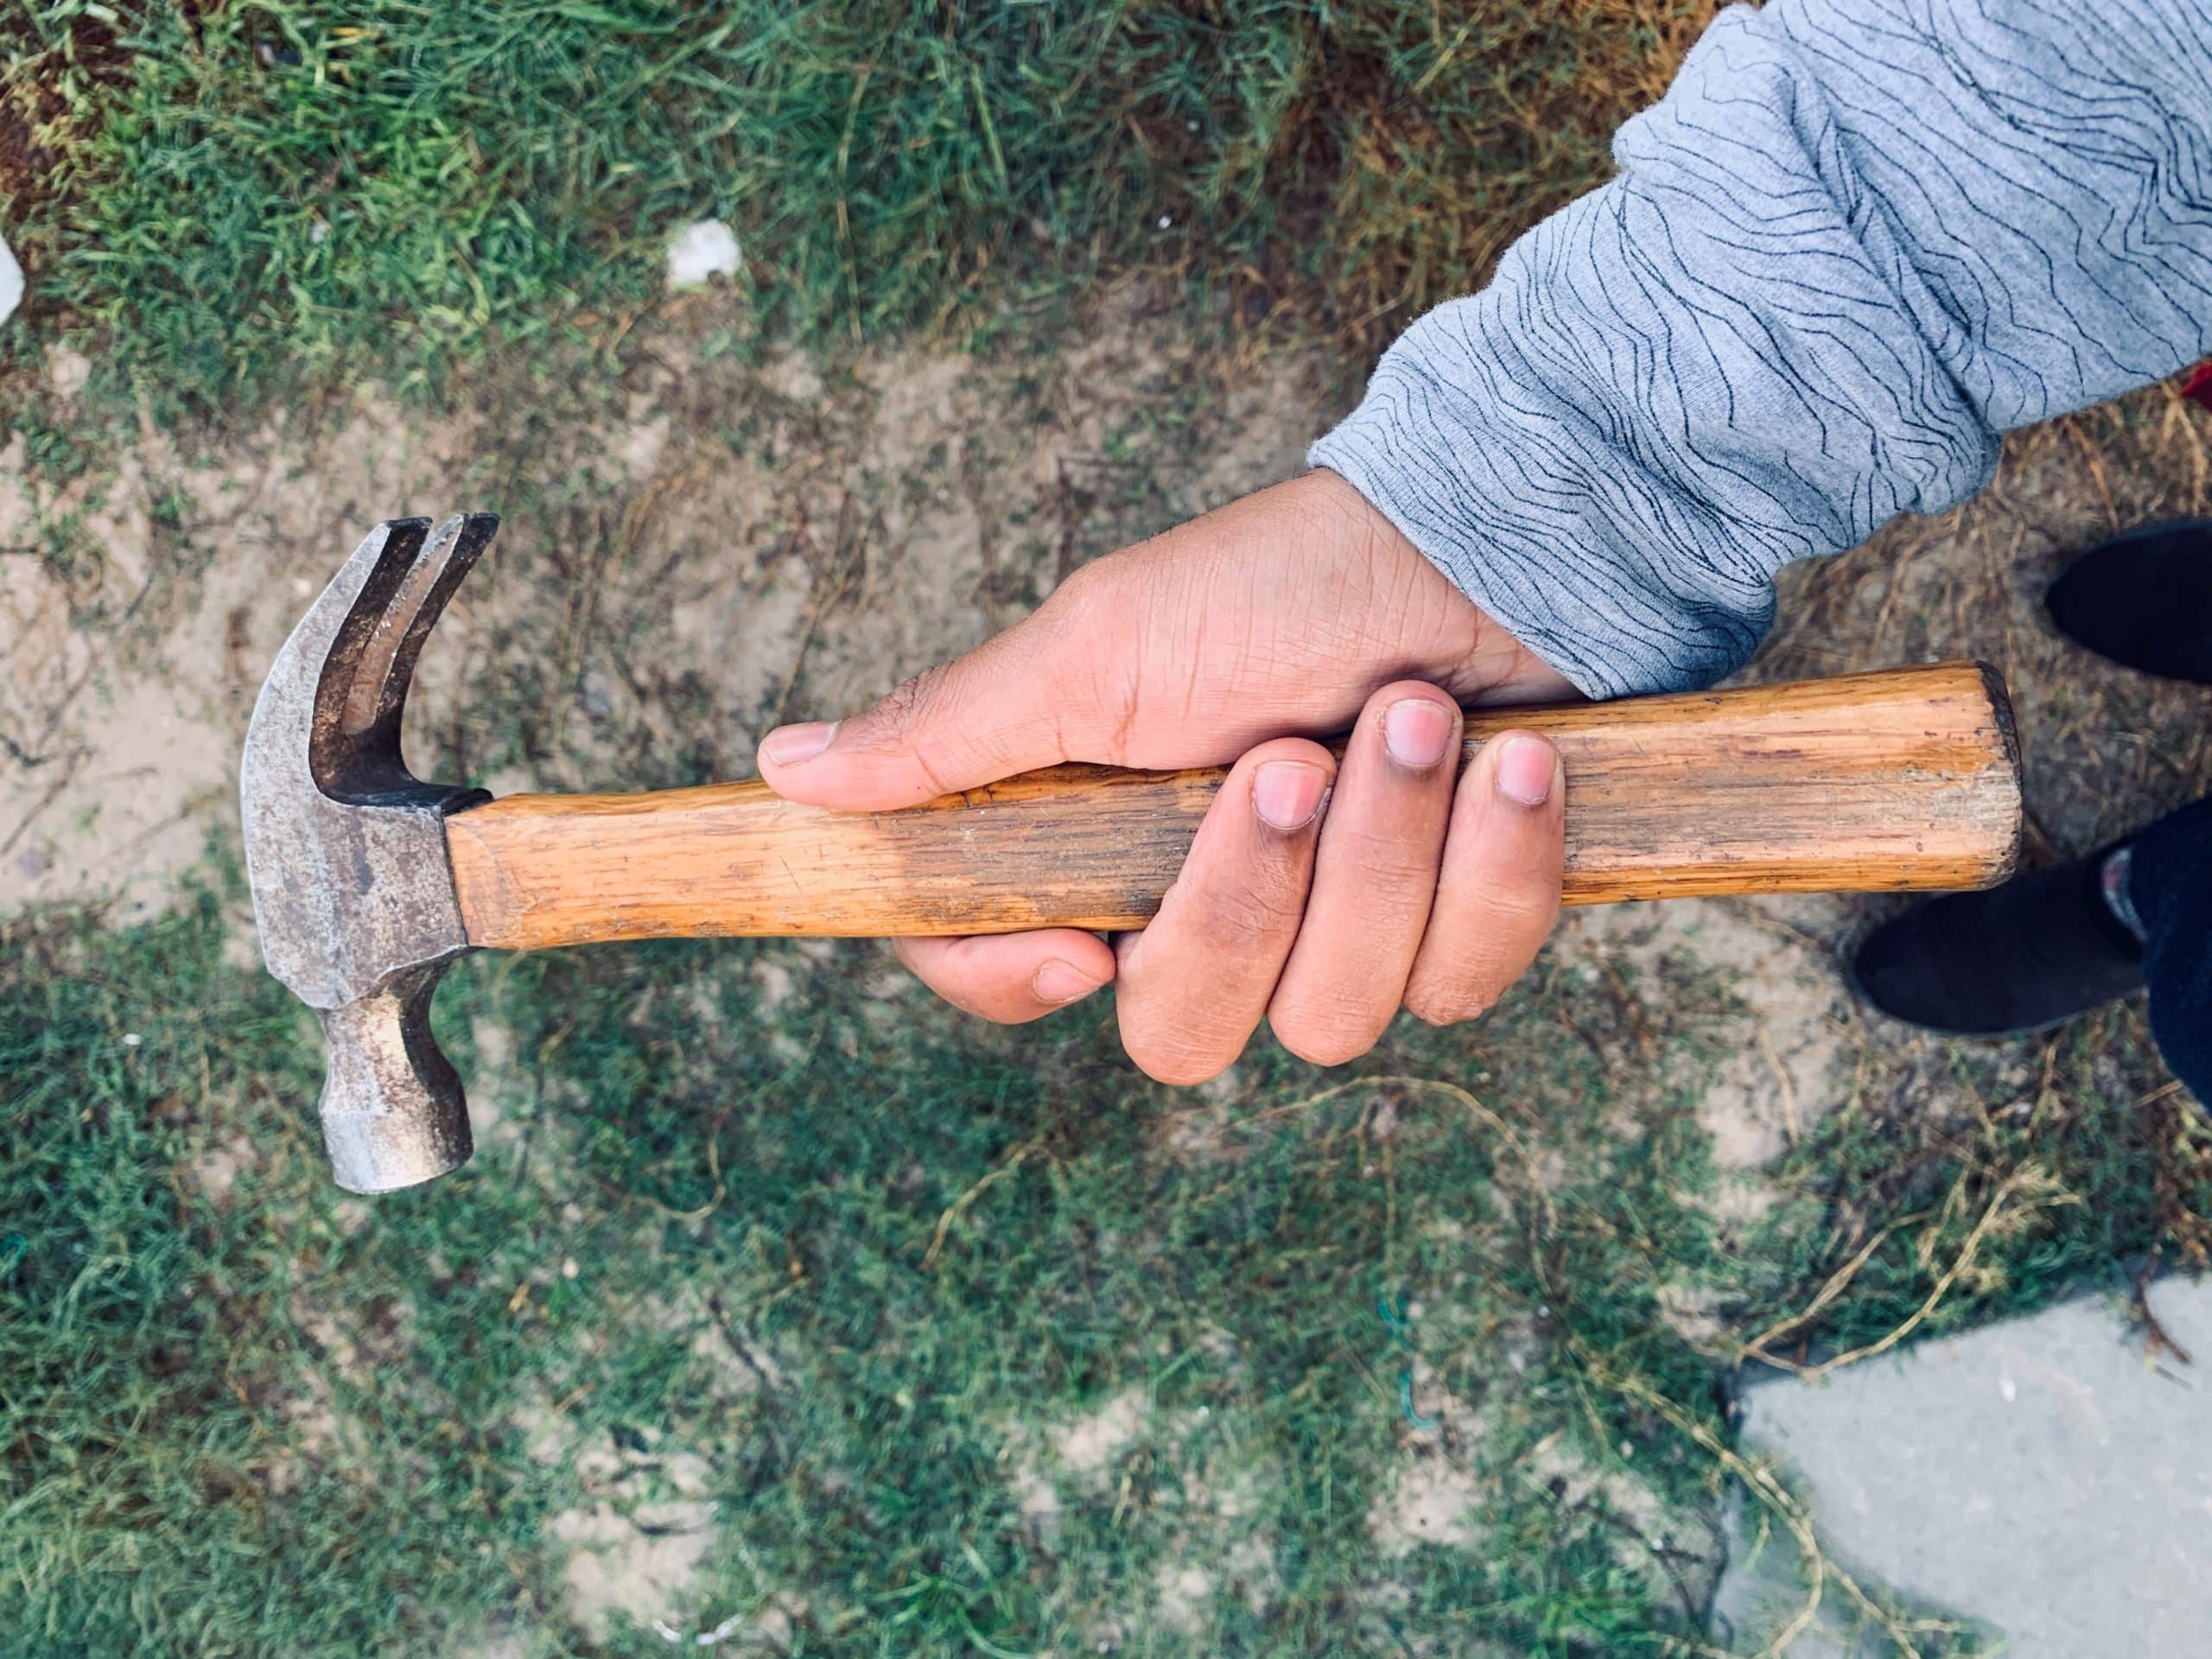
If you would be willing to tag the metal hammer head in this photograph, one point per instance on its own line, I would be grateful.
(345, 852)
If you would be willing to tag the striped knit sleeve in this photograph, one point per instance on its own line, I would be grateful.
(1857, 241)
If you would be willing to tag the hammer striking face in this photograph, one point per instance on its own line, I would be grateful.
(367, 883)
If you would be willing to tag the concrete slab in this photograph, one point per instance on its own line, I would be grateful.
(2047, 1480)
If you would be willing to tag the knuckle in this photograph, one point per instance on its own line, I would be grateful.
(1326, 1030)
(1324, 1047)
(1439, 1007)
(1070, 610)
(1173, 1058)
(1515, 911)
(1463, 987)
(1094, 599)
(1082, 589)
(910, 702)
(911, 719)
(1426, 1002)
(1393, 863)
(1264, 908)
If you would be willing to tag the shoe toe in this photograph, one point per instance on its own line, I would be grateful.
(1911, 969)
(2143, 599)
(2020, 958)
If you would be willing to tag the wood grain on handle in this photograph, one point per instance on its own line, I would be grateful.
(1904, 779)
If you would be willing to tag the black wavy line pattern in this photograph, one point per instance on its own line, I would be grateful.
(1857, 241)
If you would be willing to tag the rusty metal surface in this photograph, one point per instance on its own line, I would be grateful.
(345, 851)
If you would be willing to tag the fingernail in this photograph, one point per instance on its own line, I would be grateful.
(789, 744)
(1287, 793)
(1061, 981)
(1525, 768)
(1417, 731)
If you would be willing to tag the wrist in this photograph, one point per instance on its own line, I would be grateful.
(1495, 666)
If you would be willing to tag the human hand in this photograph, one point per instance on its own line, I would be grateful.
(1319, 894)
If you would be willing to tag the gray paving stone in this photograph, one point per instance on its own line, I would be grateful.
(2044, 1479)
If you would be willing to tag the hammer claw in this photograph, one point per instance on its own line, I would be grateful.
(361, 695)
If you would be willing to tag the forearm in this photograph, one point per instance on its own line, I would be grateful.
(1858, 241)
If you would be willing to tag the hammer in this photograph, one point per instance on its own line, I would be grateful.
(367, 882)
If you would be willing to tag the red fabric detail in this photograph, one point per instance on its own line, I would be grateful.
(2198, 387)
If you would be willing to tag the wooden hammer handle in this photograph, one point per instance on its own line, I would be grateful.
(1906, 778)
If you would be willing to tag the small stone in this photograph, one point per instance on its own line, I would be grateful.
(699, 251)
(67, 371)
(2071, 1524)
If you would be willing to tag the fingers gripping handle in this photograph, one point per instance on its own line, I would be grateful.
(1906, 778)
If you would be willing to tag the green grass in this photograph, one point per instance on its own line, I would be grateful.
(276, 1421)
(245, 199)
(158, 1357)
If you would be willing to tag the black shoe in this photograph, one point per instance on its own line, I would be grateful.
(2144, 599)
(2033, 953)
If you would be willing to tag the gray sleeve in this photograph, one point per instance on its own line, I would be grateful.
(1855, 242)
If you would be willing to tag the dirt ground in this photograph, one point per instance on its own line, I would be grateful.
(714, 546)
(723, 548)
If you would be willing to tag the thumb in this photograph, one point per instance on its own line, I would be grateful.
(1003, 708)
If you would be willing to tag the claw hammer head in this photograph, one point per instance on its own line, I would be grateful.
(345, 852)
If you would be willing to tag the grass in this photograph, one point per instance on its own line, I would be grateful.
(868, 1266)
(752, 1229)
(2075, 1176)
(234, 202)
(949, 1243)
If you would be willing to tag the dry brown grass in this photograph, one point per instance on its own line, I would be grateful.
(1424, 139)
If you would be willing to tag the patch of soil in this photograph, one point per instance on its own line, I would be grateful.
(138, 610)
(1778, 958)
(636, 1547)
(734, 547)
